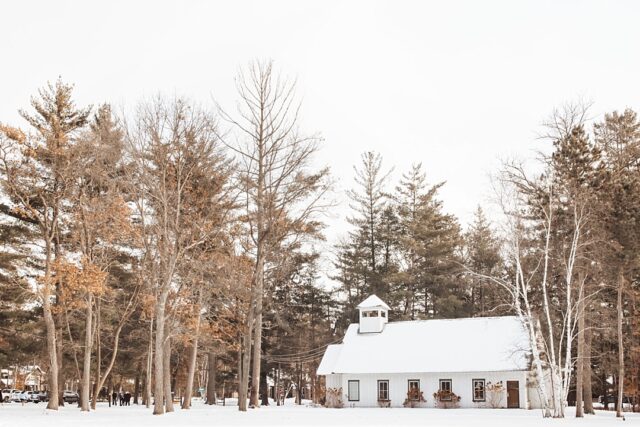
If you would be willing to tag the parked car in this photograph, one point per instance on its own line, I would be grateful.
(611, 399)
(5, 394)
(43, 396)
(70, 396)
(33, 396)
(15, 396)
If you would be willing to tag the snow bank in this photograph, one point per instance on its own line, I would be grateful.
(35, 415)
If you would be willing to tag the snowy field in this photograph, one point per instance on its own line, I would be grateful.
(35, 415)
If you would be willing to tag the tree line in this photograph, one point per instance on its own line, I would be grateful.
(562, 254)
(134, 240)
(177, 247)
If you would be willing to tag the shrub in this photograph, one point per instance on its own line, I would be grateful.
(414, 398)
(495, 392)
(334, 398)
(384, 403)
(446, 399)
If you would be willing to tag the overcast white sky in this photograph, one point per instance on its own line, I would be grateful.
(456, 85)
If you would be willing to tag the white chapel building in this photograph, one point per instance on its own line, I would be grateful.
(379, 362)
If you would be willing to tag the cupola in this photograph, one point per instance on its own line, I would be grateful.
(374, 314)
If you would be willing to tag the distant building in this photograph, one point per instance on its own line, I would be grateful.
(484, 361)
(30, 377)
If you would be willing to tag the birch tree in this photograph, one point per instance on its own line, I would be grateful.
(530, 256)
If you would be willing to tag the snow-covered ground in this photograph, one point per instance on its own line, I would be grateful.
(35, 415)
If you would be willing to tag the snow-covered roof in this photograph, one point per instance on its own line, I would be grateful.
(330, 358)
(482, 344)
(372, 302)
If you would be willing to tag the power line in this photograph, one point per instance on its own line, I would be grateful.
(296, 360)
(303, 356)
(302, 353)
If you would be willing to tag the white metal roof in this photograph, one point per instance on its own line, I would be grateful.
(481, 344)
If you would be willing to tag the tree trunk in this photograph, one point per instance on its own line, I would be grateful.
(52, 347)
(167, 375)
(264, 389)
(605, 393)
(53, 354)
(86, 365)
(136, 387)
(258, 274)
(587, 377)
(193, 357)
(114, 353)
(257, 327)
(299, 387)
(158, 392)
(240, 363)
(619, 406)
(277, 387)
(58, 320)
(147, 379)
(211, 380)
(556, 378)
(257, 359)
(318, 387)
(243, 385)
(580, 361)
(97, 388)
(143, 396)
(526, 318)
(243, 377)
(60, 370)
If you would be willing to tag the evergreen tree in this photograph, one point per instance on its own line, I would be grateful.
(20, 322)
(369, 202)
(482, 256)
(575, 165)
(436, 240)
(408, 195)
(37, 171)
(618, 137)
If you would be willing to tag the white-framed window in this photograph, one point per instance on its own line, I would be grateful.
(414, 389)
(445, 386)
(383, 390)
(479, 393)
(373, 313)
(353, 392)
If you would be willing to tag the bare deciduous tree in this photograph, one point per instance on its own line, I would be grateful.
(172, 145)
(282, 195)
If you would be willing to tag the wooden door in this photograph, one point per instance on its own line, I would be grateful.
(513, 394)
